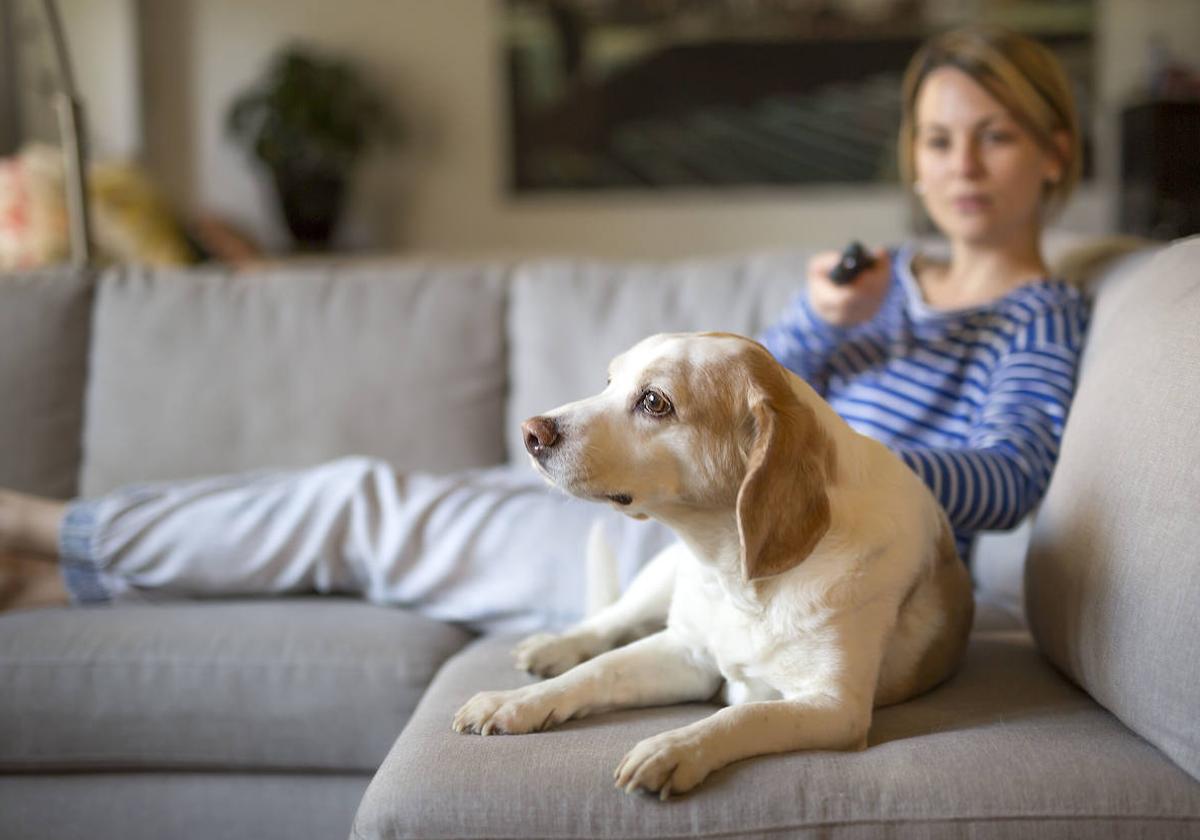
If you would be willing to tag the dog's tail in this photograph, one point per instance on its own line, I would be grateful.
(603, 586)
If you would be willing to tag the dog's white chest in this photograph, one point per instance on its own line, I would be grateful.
(739, 660)
(731, 637)
(734, 692)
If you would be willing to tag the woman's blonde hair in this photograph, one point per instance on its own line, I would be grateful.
(1017, 71)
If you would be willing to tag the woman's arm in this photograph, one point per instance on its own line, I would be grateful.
(1001, 473)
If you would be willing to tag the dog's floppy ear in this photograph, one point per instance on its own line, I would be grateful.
(782, 506)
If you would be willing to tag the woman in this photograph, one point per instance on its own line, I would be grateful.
(965, 368)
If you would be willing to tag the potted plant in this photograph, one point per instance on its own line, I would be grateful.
(309, 120)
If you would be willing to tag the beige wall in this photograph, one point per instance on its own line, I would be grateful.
(443, 192)
(103, 42)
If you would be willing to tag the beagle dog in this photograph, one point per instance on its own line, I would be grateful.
(815, 578)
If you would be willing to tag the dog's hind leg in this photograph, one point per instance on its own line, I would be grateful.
(641, 610)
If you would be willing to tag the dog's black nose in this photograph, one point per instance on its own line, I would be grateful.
(541, 433)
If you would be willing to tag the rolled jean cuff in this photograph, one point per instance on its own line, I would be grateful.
(80, 570)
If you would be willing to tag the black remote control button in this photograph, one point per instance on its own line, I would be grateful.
(854, 261)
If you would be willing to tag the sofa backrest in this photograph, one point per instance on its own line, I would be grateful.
(1113, 572)
(44, 328)
(204, 371)
(568, 318)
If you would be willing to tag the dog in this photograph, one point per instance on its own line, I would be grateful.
(816, 577)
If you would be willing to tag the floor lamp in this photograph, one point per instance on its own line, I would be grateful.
(72, 130)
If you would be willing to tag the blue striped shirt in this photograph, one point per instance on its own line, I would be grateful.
(974, 400)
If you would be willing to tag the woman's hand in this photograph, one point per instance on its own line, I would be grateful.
(854, 303)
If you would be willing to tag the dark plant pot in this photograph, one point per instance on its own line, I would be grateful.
(311, 202)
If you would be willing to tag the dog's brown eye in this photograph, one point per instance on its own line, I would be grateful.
(655, 404)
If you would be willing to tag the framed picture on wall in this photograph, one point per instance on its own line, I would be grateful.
(651, 95)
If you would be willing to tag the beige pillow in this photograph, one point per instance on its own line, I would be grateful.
(201, 372)
(1113, 574)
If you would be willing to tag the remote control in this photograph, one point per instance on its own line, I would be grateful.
(854, 261)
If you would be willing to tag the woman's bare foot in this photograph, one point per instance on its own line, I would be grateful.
(29, 572)
(29, 523)
(29, 581)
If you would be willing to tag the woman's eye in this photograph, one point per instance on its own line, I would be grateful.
(938, 143)
(655, 404)
(997, 137)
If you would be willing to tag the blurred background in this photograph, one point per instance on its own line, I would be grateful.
(241, 130)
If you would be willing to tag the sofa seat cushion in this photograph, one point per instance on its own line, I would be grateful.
(164, 805)
(283, 684)
(1007, 748)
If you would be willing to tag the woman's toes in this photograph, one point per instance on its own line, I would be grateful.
(29, 523)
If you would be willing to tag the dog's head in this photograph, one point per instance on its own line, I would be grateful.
(697, 422)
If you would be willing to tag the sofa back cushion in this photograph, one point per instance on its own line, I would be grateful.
(568, 319)
(45, 320)
(1113, 573)
(205, 371)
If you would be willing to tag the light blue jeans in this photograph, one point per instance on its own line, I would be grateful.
(495, 549)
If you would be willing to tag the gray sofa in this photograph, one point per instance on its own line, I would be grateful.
(325, 717)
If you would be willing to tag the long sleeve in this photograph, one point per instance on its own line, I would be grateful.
(974, 400)
(1000, 474)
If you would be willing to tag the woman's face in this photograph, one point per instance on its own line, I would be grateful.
(979, 172)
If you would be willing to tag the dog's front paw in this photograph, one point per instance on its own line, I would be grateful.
(548, 655)
(672, 762)
(512, 712)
